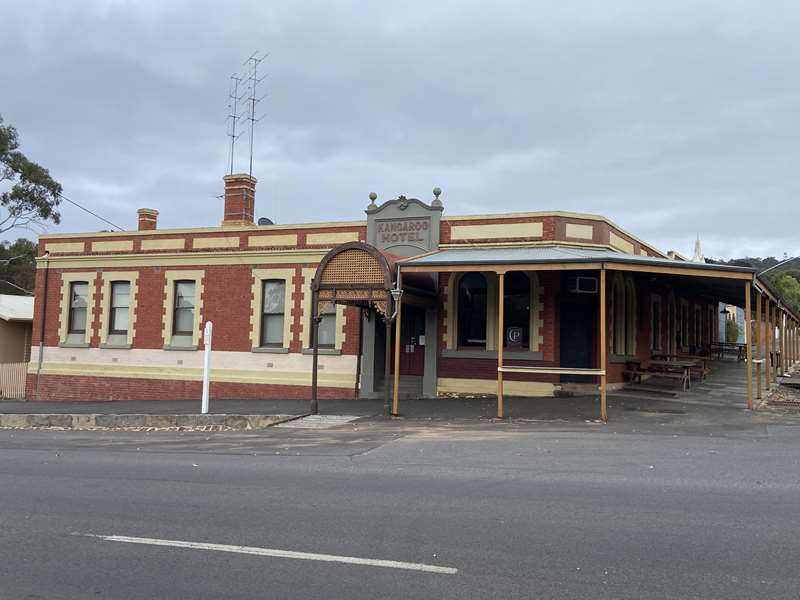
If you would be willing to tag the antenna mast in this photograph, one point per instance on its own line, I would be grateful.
(233, 106)
(252, 99)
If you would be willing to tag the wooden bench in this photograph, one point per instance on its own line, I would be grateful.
(684, 380)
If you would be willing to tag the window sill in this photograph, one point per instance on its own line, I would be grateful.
(492, 354)
(187, 348)
(269, 350)
(73, 345)
(324, 351)
(116, 346)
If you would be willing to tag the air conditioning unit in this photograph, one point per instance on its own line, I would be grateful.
(582, 285)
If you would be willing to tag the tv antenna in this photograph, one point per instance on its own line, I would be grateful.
(233, 107)
(252, 85)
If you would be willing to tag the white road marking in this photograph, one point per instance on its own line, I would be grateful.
(272, 552)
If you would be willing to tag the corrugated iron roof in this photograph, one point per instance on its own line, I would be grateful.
(16, 308)
(551, 254)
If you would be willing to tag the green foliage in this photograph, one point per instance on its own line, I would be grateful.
(17, 266)
(788, 287)
(33, 196)
(785, 279)
(731, 331)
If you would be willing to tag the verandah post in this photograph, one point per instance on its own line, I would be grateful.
(500, 339)
(768, 335)
(398, 317)
(314, 408)
(603, 404)
(759, 337)
(748, 340)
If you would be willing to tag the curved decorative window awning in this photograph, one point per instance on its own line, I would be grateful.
(355, 274)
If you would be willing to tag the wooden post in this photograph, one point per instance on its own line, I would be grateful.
(603, 403)
(501, 296)
(768, 335)
(748, 339)
(396, 397)
(387, 360)
(782, 325)
(759, 337)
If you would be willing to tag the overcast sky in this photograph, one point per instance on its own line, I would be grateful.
(671, 118)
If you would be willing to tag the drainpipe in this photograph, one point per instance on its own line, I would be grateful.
(41, 330)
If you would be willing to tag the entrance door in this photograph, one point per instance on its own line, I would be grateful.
(577, 338)
(412, 338)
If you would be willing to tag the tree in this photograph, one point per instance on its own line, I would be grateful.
(731, 331)
(789, 289)
(17, 267)
(34, 196)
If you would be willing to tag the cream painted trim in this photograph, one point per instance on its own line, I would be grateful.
(105, 307)
(164, 244)
(579, 231)
(257, 303)
(66, 280)
(254, 257)
(620, 243)
(536, 332)
(451, 322)
(255, 241)
(556, 213)
(260, 376)
(520, 244)
(446, 385)
(332, 239)
(113, 246)
(305, 306)
(170, 277)
(219, 229)
(64, 248)
(215, 242)
(498, 231)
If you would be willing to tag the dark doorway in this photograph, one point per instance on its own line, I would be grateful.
(412, 339)
(577, 337)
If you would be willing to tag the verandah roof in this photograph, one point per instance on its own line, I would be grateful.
(724, 281)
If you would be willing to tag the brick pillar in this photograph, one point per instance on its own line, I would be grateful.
(240, 200)
(148, 219)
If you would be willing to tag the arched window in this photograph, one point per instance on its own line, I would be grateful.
(623, 317)
(472, 311)
(630, 318)
(618, 316)
(517, 315)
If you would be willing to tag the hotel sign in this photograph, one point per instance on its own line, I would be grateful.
(404, 226)
(412, 232)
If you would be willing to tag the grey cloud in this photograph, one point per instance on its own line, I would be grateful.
(673, 119)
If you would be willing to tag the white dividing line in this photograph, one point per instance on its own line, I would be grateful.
(272, 552)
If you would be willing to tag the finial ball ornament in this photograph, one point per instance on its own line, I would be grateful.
(373, 196)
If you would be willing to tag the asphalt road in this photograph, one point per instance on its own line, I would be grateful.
(518, 513)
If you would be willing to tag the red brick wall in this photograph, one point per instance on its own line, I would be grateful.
(61, 387)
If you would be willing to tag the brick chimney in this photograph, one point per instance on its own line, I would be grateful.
(240, 200)
(148, 219)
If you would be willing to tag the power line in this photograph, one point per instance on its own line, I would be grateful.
(94, 214)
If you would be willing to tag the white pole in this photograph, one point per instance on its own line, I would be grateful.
(206, 364)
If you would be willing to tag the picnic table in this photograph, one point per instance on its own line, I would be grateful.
(702, 361)
(683, 366)
(722, 347)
